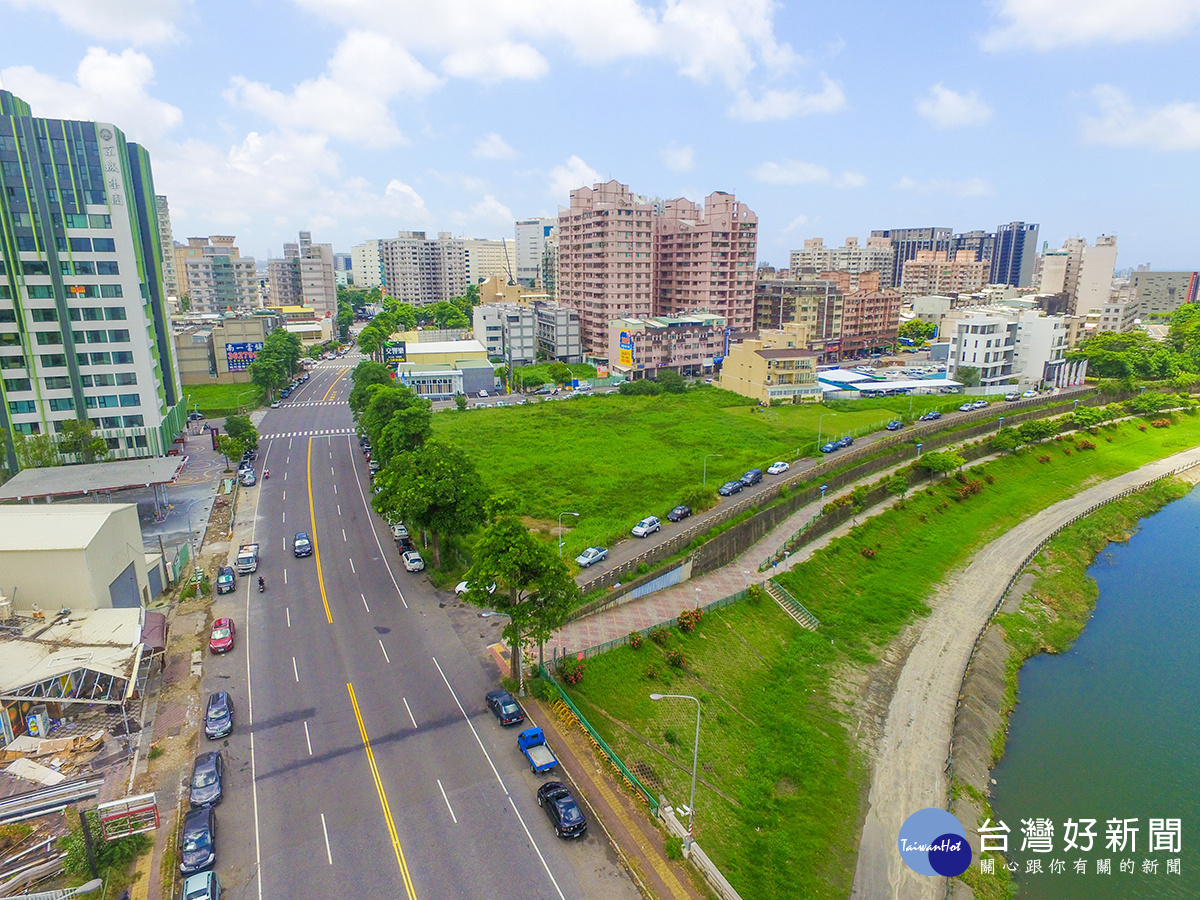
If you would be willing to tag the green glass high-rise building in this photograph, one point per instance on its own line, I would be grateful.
(84, 329)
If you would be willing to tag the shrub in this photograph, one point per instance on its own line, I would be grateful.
(990, 479)
(1043, 459)
(651, 672)
(671, 736)
(1086, 445)
(699, 498)
(961, 478)
(1067, 451)
(1108, 438)
(572, 670)
(1141, 426)
(867, 552)
(660, 636)
(674, 847)
(1161, 423)
(756, 594)
(541, 689)
(689, 619)
(636, 640)
(676, 659)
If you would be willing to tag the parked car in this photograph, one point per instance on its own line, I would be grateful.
(679, 513)
(895, 425)
(931, 416)
(302, 544)
(980, 404)
(754, 476)
(483, 393)
(829, 447)
(564, 813)
(207, 771)
(406, 544)
(275, 404)
(412, 561)
(195, 416)
(505, 708)
(845, 442)
(226, 580)
(591, 556)
(646, 527)
(201, 886)
(729, 488)
(197, 841)
(399, 530)
(249, 479)
(966, 407)
(218, 716)
(463, 586)
(777, 468)
(1030, 393)
(1012, 395)
(220, 640)
(285, 393)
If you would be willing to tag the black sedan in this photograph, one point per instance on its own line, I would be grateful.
(895, 425)
(505, 708)
(197, 843)
(930, 416)
(206, 779)
(730, 488)
(679, 513)
(218, 716)
(564, 812)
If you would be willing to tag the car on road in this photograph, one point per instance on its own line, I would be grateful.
(729, 488)
(218, 716)
(679, 513)
(195, 416)
(285, 393)
(275, 404)
(505, 708)
(591, 556)
(207, 772)
(201, 886)
(829, 447)
(564, 813)
(302, 544)
(197, 841)
(646, 527)
(777, 468)
(501, 403)
(1030, 393)
(980, 404)
(220, 639)
(754, 476)
(463, 586)
(894, 425)
(1012, 395)
(249, 479)
(966, 407)
(412, 561)
(930, 416)
(226, 580)
(845, 442)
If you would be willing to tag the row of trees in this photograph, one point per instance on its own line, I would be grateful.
(1135, 355)
(433, 486)
(397, 316)
(77, 440)
(277, 362)
(240, 435)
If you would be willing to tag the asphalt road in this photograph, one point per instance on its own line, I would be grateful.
(364, 760)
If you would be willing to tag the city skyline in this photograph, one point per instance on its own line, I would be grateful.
(357, 121)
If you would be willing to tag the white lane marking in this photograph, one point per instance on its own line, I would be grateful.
(343, 530)
(289, 459)
(288, 610)
(328, 852)
(352, 565)
(285, 476)
(331, 454)
(295, 671)
(307, 738)
(339, 506)
(285, 517)
(447, 799)
(384, 649)
(503, 786)
(371, 522)
(285, 495)
(335, 488)
(289, 445)
(331, 472)
(285, 570)
(410, 715)
(364, 599)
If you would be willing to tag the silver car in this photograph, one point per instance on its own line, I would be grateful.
(591, 556)
(412, 561)
(646, 527)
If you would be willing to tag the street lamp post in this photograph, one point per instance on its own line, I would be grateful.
(191, 535)
(560, 540)
(238, 401)
(704, 481)
(1001, 425)
(824, 488)
(919, 446)
(820, 419)
(697, 598)
(687, 844)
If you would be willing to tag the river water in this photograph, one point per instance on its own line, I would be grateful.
(1111, 728)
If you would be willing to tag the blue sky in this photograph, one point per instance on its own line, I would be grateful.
(358, 118)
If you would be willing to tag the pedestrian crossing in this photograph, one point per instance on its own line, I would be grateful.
(326, 432)
(313, 403)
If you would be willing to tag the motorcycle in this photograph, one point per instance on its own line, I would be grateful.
(262, 585)
(266, 474)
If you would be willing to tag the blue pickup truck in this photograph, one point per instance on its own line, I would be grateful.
(532, 742)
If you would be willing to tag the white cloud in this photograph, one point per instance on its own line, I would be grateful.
(351, 99)
(492, 211)
(1174, 126)
(575, 174)
(108, 87)
(132, 21)
(723, 39)
(796, 171)
(492, 146)
(1047, 24)
(947, 108)
(777, 104)
(496, 62)
(967, 187)
(678, 159)
(798, 222)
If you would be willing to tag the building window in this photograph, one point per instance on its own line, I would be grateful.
(130, 400)
(123, 358)
(111, 290)
(118, 335)
(81, 245)
(115, 313)
(58, 383)
(133, 421)
(104, 245)
(35, 268)
(126, 378)
(99, 221)
(108, 267)
(22, 406)
(111, 422)
(106, 401)
(46, 338)
(62, 404)
(100, 359)
(17, 384)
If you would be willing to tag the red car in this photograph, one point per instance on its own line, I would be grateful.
(221, 639)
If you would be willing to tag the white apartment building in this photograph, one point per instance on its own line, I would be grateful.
(1005, 344)
(366, 265)
(166, 240)
(484, 258)
(420, 271)
(876, 255)
(1081, 272)
(214, 276)
(531, 235)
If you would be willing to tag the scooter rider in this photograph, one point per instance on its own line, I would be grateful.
(262, 584)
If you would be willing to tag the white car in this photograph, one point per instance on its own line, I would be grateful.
(1030, 393)
(646, 527)
(462, 587)
(777, 468)
(483, 393)
(399, 530)
(412, 561)
(591, 556)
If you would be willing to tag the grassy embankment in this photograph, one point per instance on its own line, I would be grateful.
(222, 399)
(782, 782)
(614, 459)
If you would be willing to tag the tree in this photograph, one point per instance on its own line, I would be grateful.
(231, 448)
(407, 430)
(365, 374)
(943, 461)
(1006, 439)
(434, 488)
(460, 402)
(268, 373)
(898, 485)
(534, 588)
(968, 375)
(560, 372)
(1146, 404)
(383, 402)
(641, 387)
(35, 451)
(671, 381)
(1037, 430)
(918, 331)
(345, 318)
(76, 438)
(243, 429)
(370, 340)
(1134, 354)
(185, 303)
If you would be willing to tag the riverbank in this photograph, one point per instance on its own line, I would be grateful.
(1045, 613)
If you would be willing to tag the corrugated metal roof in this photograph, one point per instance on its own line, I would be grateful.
(63, 526)
(67, 481)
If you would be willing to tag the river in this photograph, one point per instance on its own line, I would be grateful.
(1111, 728)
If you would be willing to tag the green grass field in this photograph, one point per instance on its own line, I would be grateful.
(614, 459)
(779, 807)
(222, 399)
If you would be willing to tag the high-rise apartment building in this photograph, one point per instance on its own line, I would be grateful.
(1015, 248)
(907, 242)
(605, 258)
(1162, 292)
(935, 272)
(549, 270)
(343, 272)
(1096, 274)
(870, 321)
(421, 271)
(304, 276)
(705, 259)
(980, 244)
(166, 240)
(531, 235)
(214, 276)
(851, 259)
(84, 328)
(366, 265)
(484, 258)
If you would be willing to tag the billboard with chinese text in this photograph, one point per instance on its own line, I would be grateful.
(239, 356)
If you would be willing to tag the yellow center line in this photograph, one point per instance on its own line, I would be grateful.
(335, 381)
(312, 515)
(383, 800)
